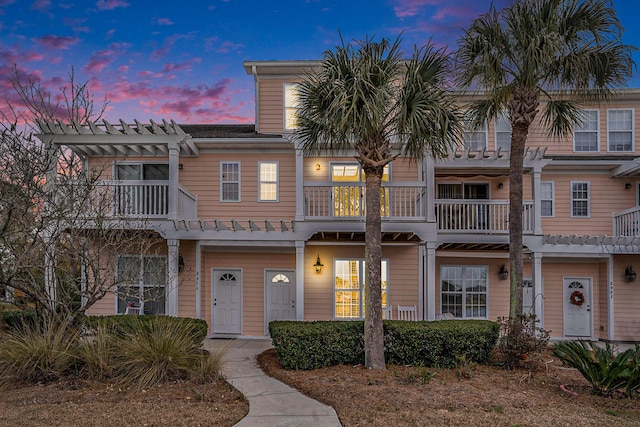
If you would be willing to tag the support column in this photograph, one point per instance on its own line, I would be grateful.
(173, 180)
(431, 280)
(299, 183)
(537, 195)
(83, 274)
(610, 302)
(299, 280)
(172, 277)
(50, 268)
(198, 269)
(430, 179)
(538, 287)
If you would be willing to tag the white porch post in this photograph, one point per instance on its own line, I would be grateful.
(431, 280)
(610, 306)
(198, 283)
(299, 280)
(430, 179)
(422, 274)
(537, 194)
(538, 287)
(173, 180)
(50, 268)
(172, 279)
(299, 182)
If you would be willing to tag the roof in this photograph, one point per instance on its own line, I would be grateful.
(223, 131)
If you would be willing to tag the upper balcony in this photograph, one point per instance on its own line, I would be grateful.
(627, 222)
(480, 216)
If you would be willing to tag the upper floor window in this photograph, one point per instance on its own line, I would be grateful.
(474, 138)
(348, 287)
(585, 133)
(229, 181)
(620, 130)
(268, 181)
(503, 132)
(579, 199)
(141, 171)
(290, 104)
(546, 198)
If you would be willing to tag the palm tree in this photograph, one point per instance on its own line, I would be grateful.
(563, 52)
(365, 97)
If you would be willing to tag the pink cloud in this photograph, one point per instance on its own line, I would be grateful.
(164, 21)
(408, 8)
(41, 5)
(57, 42)
(101, 58)
(171, 67)
(111, 4)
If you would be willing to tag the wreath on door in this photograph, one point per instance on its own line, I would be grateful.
(577, 298)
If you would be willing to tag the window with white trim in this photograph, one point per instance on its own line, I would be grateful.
(268, 181)
(585, 133)
(348, 288)
(229, 181)
(127, 171)
(474, 138)
(290, 105)
(463, 291)
(503, 132)
(142, 280)
(579, 199)
(546, 198)
(620, 130)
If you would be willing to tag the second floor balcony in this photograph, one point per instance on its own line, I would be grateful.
(480, 216)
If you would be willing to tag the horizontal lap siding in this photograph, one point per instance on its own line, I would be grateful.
(607, 195)
(253, 267)
(201, 176)
(187, 280)
(403, 276)
(626, 297)
(271, 105)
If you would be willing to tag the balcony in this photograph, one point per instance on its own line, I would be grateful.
(479, 216)
(399, 201)
(627, 222)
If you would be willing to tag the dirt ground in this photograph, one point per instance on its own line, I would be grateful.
(472, 395)
(90, 403)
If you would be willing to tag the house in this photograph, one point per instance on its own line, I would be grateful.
(253, 230)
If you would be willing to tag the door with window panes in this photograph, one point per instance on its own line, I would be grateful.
(348, 190)
(143, 190)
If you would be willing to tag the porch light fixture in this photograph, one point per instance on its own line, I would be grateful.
(629, 274)
(180, 263)
(503, 273)
(317, 166)
(627, 185)
(500, 185)
(318, 265)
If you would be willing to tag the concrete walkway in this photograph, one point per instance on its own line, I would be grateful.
(271, 403)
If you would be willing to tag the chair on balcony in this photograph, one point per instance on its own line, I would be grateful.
(387, 312)
(407, 312)
(445, 316)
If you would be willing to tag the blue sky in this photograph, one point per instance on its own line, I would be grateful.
(183, 60)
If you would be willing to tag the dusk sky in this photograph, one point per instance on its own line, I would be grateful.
(183, 60)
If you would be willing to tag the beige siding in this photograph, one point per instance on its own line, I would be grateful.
(271, 105)
(626, 298)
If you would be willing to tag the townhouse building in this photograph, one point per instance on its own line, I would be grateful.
(254, 230)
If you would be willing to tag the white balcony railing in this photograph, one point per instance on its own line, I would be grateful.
(479, 216)
(627, 222)
(404, 201)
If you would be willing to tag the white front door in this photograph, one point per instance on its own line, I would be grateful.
(226, 301)
(577, 307)
(280, 289)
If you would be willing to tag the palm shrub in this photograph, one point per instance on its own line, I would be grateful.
(633, 381)
(155, 350)
(39, 351)
(605, 371)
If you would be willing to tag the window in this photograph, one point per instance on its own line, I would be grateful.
(348, 194)
(503, 132)
(348, 288)
(290, 105)
(546, 198)
(579, 199)
(620, 126)
(464, 291)
(142, 280)
(474, 138)
(141, 171)
(268, 181)
(229, 182)
(585, 134)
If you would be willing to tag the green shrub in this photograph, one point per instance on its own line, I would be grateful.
(40, 351)
(600, 366)
(439, 344)
(122, 325)
(312, 345)
(16, 319)
(633, 379)
(519, 338)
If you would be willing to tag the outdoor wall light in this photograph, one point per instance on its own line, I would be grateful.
(318, 265)
(503, 273)
(180, 263)
(627, 185)
(629, 274)
(317, 166)
(500, 185)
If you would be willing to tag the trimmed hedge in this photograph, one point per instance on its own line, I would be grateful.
(121, 324)
(313, 345)
(15, 319)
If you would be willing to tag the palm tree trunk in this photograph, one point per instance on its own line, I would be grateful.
(373, 331)
(516, 160)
